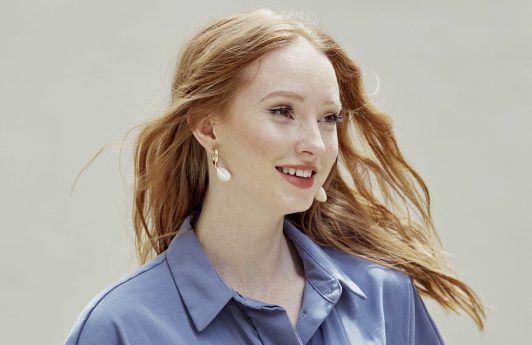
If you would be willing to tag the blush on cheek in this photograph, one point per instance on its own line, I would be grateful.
(261, 138)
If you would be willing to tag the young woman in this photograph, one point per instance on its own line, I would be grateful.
(256, 191)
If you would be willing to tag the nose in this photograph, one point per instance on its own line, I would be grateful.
(310, 139)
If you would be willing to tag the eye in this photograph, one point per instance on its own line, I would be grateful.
(282, 111)
(333, 118)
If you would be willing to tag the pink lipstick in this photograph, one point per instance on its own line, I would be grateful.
(298, 181)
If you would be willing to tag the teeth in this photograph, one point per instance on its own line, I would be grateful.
(296, 172)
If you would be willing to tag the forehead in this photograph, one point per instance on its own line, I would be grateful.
(298, 67)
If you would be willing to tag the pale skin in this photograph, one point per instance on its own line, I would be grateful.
(241, 223)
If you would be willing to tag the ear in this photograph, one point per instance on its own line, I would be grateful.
(201, 125)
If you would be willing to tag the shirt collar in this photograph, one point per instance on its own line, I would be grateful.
(205, 293)
(319, 267)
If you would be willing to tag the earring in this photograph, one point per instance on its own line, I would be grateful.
(321, 196)
(223, 174)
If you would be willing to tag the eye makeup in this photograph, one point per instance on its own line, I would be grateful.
(287, 111)
(282, 110)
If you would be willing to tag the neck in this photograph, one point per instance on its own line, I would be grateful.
(246, 246)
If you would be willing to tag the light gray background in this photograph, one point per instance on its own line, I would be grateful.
(454, 75)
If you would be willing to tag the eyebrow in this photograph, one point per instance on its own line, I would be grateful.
(295, 95)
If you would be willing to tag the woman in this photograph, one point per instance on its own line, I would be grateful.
(260, 208)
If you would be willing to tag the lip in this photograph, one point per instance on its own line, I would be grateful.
(301, 167)
(300, 182)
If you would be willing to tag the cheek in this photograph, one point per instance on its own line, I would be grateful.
(260, 136)
(331, 142)
(331, 149)
(259, 145)
(259, 139)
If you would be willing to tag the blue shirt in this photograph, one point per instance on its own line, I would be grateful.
(178, 298)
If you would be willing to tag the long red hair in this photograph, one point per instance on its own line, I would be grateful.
(373, 192)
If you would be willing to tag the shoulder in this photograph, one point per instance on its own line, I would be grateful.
(101, 320)
(391, 297)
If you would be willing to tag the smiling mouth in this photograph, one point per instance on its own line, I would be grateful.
(305, 180)
(304, 174)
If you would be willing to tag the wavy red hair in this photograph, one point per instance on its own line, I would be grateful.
(372, 189)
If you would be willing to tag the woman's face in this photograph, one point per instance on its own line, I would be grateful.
(283, 117)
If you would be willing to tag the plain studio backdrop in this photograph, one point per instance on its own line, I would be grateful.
(454, 75)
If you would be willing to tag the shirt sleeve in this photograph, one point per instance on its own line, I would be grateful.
(92, 332)
(422, 330)
(96, 325)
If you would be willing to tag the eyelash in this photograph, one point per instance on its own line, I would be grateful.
(336, 117)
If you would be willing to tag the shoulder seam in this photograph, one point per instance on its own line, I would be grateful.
(410, 310)
(112, 289)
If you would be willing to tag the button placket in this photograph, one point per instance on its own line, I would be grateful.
(274, 326)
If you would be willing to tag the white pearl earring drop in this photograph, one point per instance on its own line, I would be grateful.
(321, 196)
(223, 174)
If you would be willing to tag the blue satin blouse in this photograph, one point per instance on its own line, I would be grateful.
(178, 298)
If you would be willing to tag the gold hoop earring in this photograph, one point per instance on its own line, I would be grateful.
(223, 174)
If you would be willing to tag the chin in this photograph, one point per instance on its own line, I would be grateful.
(288, 202)
(298, 206)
